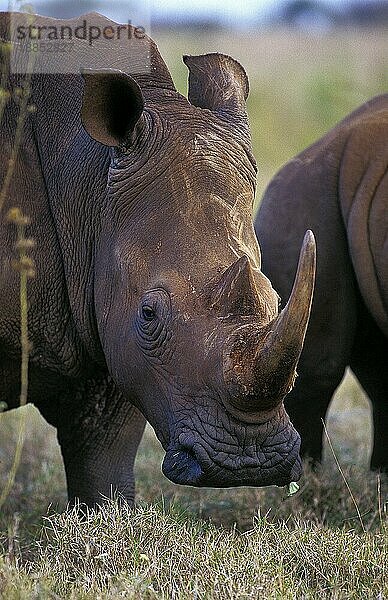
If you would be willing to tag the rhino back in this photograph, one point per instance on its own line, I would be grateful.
(363, 191)
(338, 188)
(301, 196)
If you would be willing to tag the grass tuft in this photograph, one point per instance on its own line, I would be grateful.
(150, 552)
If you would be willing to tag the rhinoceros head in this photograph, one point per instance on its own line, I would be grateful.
(188, 323)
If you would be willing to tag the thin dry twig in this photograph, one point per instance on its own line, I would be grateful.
(25, 266)
(343, 477)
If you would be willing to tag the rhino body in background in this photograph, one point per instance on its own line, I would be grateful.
(148, 301)
(339, 188)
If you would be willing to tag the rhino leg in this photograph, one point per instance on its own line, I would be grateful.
(308, 423)
(368, 362)
(99, 433)
(325, 356)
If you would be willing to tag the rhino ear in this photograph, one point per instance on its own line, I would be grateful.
(112, 106)
(217, 82)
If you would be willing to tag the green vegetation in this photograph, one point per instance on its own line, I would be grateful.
(239, 543)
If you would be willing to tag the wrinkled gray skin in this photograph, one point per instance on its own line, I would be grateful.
(140, 308)
(339, 188)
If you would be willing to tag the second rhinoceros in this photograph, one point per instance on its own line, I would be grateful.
(339, 187)
(149, 302)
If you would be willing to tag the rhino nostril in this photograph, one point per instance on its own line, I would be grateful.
(181, 466)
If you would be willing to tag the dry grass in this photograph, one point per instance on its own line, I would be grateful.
(151, 553)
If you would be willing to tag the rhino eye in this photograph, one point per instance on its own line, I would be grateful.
(148, 313)
(152, 319)
(153, 309)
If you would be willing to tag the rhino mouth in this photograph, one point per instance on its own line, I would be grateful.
(191, 462)
(181, 466)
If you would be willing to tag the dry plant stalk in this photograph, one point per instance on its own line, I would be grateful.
(26, 268)
(24, 265)
(343, 477)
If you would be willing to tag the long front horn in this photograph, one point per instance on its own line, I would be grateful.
(261, 366)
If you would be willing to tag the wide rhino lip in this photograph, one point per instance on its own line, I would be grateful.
(269, 458)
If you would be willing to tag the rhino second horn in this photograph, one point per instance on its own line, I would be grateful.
(236, 292)
(262, 364)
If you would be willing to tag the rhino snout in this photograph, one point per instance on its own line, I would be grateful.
(190, 462)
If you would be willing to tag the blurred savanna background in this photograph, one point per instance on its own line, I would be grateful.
(309, 64)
